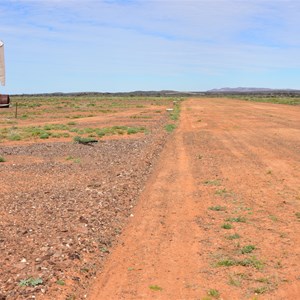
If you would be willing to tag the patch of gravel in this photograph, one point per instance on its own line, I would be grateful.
(62, 212)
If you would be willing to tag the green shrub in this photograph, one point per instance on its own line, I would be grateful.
(82, 140)
(56, 135)
(247, 249)
(170, 127)
(252, 262)
(14, 137)
(31, 282)
(44, 135)
(226, 226)
(214, 293)
(226, 263)
(132, 130)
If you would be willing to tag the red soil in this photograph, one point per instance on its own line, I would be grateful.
(242, 156)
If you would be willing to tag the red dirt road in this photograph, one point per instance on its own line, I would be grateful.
(229, 162)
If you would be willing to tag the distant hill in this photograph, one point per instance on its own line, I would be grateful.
(251, 90)
(170, 93)
(164, 93)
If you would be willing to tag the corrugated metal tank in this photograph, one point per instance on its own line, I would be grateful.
(4, 101)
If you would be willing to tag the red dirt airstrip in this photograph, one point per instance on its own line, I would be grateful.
(229, 162)
(218, 216)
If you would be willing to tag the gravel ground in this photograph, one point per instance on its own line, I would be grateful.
(63, 206)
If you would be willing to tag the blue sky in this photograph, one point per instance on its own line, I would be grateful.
(115, 45)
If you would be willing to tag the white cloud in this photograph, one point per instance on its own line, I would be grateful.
(150, 38)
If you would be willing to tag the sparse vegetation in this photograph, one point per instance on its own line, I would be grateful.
(263, 280)
(140, 117)
(2, 159)
(14, 137)
(44, 135)
(61, 130)
(176, 112)
(213, 293)
(217, 208)
(234, 280)
(236, 219)
(226, 226)
(248, 249)
(133, 130)
(252, 262)
(227, 262)
(120, 130)
(31, 282)
(247, 262)
(76, 107)
(104, 250)
(233, 236)
(71, 297)
(155, 288)
(260, 290)
(85, 141)
(170, 127)
(214, 182)
(273, 218)
(277, 99)
(223, 192)
(278, 265)
(60, 282)
(174, 116)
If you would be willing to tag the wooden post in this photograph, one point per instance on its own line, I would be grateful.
(16, 112)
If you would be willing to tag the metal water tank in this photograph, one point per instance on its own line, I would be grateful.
(4, 101)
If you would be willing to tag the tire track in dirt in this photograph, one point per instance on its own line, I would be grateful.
(160, 245)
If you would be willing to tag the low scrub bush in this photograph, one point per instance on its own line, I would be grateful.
(83, 140)
(170, 127)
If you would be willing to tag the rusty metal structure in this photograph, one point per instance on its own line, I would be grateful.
(4, 101)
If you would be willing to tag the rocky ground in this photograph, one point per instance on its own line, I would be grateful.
(62, 207)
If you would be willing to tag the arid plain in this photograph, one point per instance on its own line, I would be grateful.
(209, 209)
